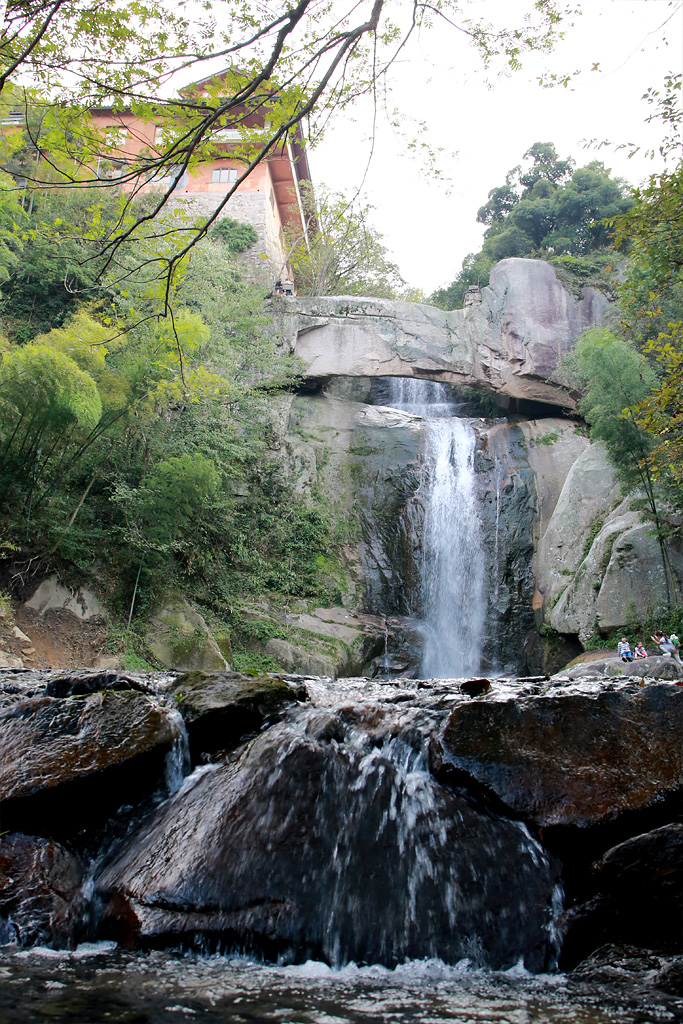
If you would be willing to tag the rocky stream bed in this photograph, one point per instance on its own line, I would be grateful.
(332, 850)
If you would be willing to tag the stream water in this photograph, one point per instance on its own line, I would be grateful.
(99, 982)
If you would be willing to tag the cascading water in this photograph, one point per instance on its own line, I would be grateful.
(451, 566)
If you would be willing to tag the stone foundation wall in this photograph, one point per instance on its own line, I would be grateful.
(265, 257)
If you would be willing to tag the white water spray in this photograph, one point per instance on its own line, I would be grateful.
(452, 588)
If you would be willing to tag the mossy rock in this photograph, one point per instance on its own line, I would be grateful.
(221, 709)
(179, 638)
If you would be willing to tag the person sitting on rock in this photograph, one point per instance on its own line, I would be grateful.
(624, 650)
(674, 640)
(639, 651)
(666, 646)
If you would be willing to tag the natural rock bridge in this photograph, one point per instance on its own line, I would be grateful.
(508, 340)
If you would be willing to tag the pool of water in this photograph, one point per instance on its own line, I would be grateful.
(100, 982)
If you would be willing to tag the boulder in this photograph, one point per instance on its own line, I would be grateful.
(572, 759)
(642, 879)
(71, 684)
(638, 898)
(64, 763)
(220, 708)
(41, 900)
(655, 667)
(287, 852)
(179, 638)
(52, 595)
(293, 658)
(509, 342)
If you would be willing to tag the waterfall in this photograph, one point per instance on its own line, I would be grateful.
(451, 567)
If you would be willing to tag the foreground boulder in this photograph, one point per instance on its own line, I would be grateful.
(40, 892)
(219, 708)
(63, 762)
(288, 852)
(571, 759)
(637, 899)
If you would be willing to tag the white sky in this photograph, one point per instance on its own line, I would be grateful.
(440, 80)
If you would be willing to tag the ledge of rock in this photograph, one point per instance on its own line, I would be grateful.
(571, 759)
(508, 342)
(655, 667)
(115, 742)
(219, 708)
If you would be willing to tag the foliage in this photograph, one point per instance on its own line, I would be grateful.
(615, 377)
(235, 234)
(288, 73)
(341, 254)
(545, 210)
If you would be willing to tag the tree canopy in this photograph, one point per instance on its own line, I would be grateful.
(287, 70)
(341, 253)
(547, 209)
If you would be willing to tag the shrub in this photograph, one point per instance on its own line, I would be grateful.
(235, 234)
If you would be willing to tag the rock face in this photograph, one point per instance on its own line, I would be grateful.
(52, 595)
(598, 564)
(289, 849)
(572, 760)
(59, 755)
(509, 343)
(40, 897)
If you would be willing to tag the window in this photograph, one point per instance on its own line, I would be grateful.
(225, 174)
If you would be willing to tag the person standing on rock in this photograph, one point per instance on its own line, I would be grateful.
(624, 650)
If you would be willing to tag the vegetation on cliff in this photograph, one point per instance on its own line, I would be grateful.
(546, 210)
(135, 448)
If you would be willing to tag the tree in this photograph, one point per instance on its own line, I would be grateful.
(235, 234)
(341, 254)
(288, 69)
(548, 211)
(651, 308)
(615, 377)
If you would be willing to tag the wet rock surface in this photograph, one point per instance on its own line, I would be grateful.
(63, 762)
(338, 829)
(288, 849)
(572, 759)
(219, 708)
(40, 892)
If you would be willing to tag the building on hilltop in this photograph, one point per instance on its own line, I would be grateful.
(269, 198)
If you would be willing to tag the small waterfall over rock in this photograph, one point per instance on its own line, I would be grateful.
(445, 516)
